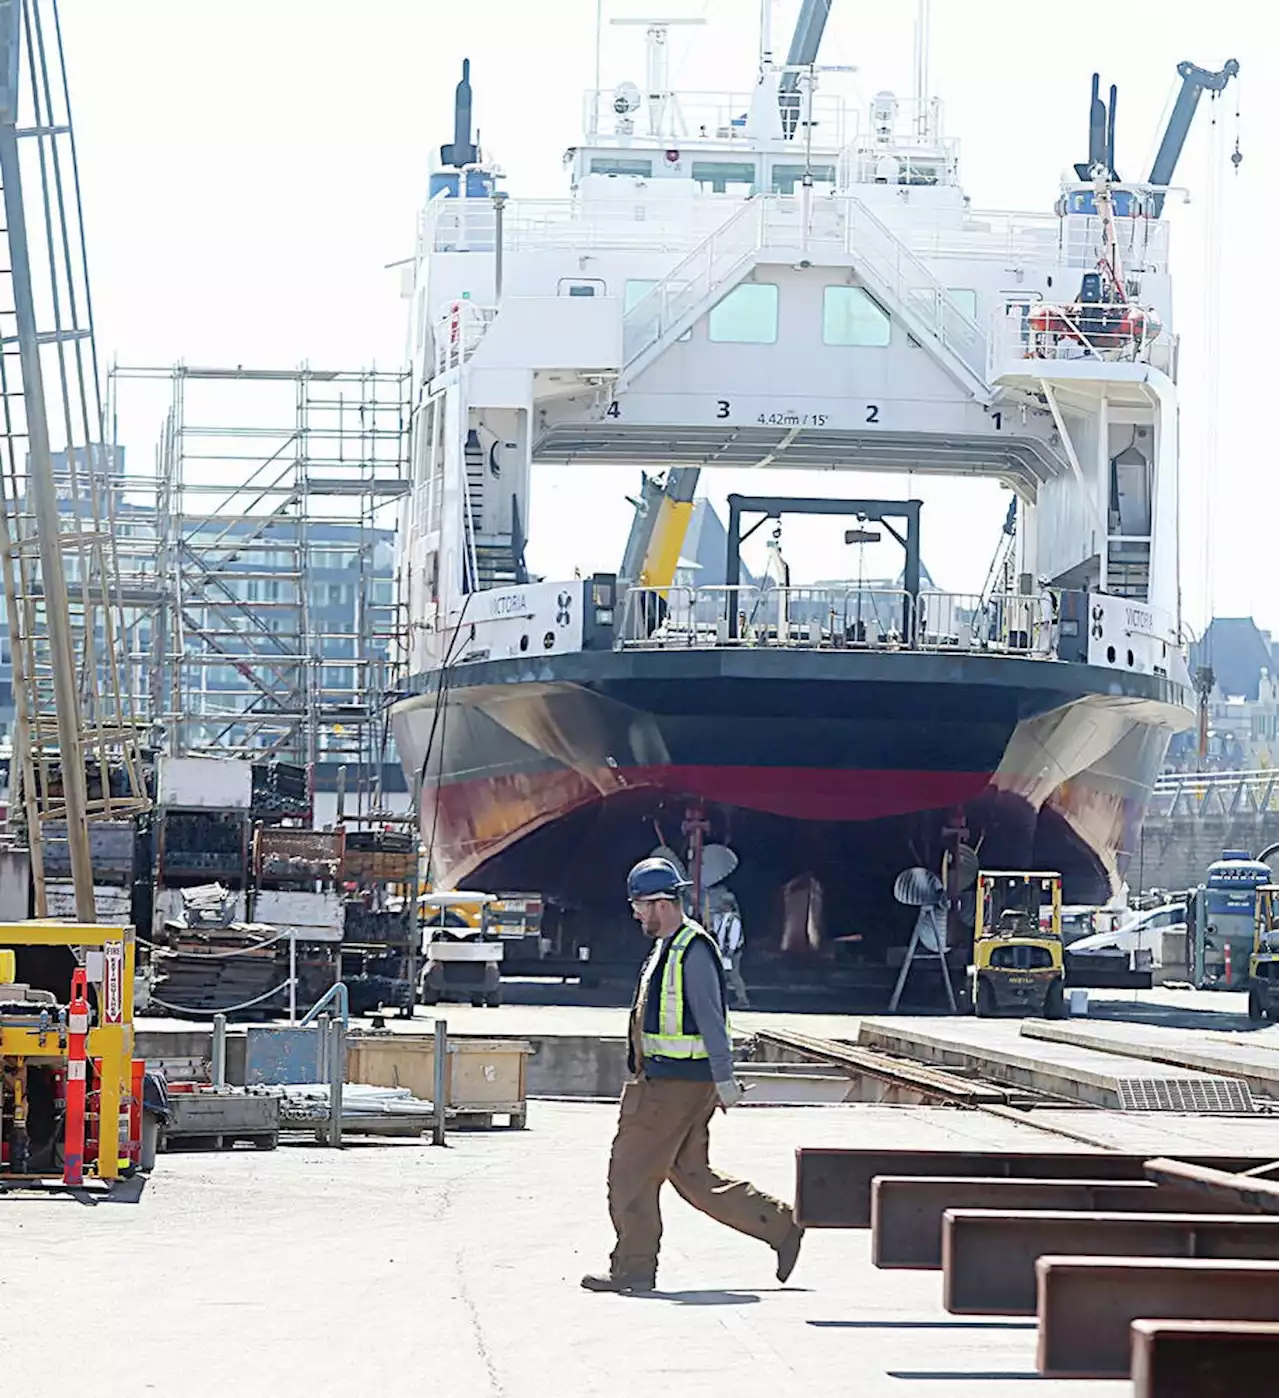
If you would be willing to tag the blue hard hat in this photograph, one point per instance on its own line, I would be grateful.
(655, 878)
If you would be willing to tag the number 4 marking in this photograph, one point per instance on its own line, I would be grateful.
(613, 410)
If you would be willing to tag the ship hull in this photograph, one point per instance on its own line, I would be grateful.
(556, 774)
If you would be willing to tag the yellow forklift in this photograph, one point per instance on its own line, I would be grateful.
(1017, 945)
(1264, 993)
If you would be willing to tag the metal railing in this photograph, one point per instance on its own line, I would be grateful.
(1024, 333)
(836, 223)
(1207, 794)
(839, 618)
(692, 280)
(458, 331)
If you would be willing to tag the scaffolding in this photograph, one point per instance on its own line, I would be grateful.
(263, 619)
(76, 740)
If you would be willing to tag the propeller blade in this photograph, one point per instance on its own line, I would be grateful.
(932, 927)
(918, 888)
(967, 908)
(718, 862)
(966, 870)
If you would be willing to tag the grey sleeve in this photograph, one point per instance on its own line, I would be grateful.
(702, 991)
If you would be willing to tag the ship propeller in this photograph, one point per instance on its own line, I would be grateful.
(922, 888)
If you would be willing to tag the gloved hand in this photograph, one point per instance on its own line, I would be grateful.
(731, 1093)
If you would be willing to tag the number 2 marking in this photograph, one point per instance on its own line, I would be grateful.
(873, 412)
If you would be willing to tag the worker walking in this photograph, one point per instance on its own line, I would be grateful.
(682, 1069)
(728, 929)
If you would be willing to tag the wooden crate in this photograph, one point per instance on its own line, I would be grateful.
(483, 1077)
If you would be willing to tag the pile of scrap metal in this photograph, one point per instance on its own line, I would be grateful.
(207, 960)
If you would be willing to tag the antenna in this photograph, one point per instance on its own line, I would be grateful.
(461, 151)
(921, 93)
(656, 65)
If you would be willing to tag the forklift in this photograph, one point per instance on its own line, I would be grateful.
(1264, 993)
(462, 952)
(1017, 945)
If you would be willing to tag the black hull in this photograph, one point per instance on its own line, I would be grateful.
(555, 774)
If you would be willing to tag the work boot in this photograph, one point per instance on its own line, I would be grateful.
(789, 1251)
(606, 1281)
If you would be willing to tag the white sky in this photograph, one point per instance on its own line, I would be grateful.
(250, 166)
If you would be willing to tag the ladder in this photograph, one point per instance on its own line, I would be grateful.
(76, 749)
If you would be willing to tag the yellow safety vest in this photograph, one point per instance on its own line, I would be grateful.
(670, 1039)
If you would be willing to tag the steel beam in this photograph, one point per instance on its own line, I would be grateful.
(1085, 1305)
(1191, 1358)
(907, 1210)
(1241, 1188)
(989, 1255)
(833, 1186)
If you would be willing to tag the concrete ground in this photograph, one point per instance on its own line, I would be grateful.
(396, 1268)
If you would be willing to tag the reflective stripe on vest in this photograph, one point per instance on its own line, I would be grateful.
(671, 1041)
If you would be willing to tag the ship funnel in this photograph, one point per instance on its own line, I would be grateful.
(461, 151)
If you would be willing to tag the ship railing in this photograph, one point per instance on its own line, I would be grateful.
(806, 618)
(1007, 623)
(1027, 332)
(458, 331)
(843, 223)
(647, 221)
(710, 116)
(1033, 239)
(1202, 794)
(693, 279)
(840, 618)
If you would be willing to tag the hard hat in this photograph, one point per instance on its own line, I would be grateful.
(655, 878)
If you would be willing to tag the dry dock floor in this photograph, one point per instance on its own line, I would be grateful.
(403, 1269)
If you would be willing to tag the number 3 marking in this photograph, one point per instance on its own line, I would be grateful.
(722, 407)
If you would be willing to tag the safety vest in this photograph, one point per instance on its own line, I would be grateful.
(663, 1034)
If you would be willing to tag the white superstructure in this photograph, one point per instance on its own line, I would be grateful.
(773, 278)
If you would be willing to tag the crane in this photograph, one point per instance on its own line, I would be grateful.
(1195, 82)
(59, 479)
(806, 40)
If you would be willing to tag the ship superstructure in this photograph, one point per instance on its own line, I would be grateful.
(772, 278)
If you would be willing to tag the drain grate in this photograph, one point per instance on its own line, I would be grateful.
(1210, 1095)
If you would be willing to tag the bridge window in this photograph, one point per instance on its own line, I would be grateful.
(851, 317)
(636, 289)
(787, 177)
(570, 286)
(614, 165)
(719, 175)
(965, 299)
(747, 316)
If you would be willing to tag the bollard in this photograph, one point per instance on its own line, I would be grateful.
(77, 1073)
(439, 1085)
(219, 1066)
(337, 1040)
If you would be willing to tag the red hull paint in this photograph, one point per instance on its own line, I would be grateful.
(478, 819)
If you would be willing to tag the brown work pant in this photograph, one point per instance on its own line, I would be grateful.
(663, 1135)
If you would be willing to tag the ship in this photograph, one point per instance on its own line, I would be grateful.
(779, 278)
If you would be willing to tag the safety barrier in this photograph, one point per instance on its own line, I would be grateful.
(840, 618)
(1216, 794)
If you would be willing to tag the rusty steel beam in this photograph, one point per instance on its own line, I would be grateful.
(989, 1255)
(833, 1186)
(1244, 1188)
(1192, 1358)
(1085, 1305)
(906, 1210)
